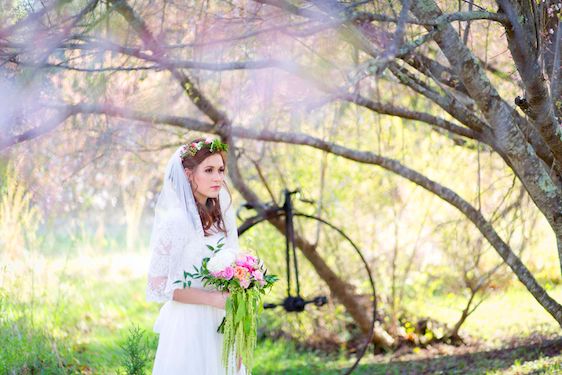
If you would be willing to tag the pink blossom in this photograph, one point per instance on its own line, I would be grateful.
(247, 261)
(208, 140)
(241, 273)
(228, 273)
(245, 265)
(252, 260)
(245, 283)
(225, 274)
(258, 275)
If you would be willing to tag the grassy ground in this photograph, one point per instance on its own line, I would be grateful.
(512, 314)
(70, 315)
(534, 358)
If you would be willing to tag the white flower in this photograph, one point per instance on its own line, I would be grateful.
(220, 261)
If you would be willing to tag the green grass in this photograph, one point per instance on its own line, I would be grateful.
(64, 315)
(84, 306)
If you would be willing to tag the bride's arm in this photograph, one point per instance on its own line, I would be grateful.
(200, 297)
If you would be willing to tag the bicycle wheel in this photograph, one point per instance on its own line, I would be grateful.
(329, 264)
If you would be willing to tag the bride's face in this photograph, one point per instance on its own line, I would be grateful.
(207, 178)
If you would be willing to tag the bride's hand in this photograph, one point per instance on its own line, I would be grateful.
(220, 299)
(239, 363)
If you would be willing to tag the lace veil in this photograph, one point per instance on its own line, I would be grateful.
(177, 239)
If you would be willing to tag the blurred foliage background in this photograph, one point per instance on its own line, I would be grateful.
(76, 205)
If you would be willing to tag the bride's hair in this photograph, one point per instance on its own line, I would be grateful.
(211, 212)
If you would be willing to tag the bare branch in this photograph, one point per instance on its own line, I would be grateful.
(179, 64)
(388, 109)
(64, 111)
(451, 104)
(441, 20)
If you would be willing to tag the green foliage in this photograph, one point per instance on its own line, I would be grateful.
(136, 352)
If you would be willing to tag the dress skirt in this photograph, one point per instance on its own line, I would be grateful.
(189, 343)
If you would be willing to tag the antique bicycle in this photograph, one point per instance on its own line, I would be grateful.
(329, 273)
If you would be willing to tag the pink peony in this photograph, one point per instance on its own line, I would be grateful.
(208, 140)
(251, 260)
(245, 283)
(240, 273)
(228, 273)
(225, 274)
(258, 275)
(247, 261)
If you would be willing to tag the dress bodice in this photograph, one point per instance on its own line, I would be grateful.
(214, 238)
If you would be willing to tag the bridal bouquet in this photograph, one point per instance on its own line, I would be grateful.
(246, 278)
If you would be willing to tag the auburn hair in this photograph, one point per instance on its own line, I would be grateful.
(210, 213)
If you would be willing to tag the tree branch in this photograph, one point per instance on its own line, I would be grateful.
(449, 103)
(540, 105)
(509, 139)
(388, 109)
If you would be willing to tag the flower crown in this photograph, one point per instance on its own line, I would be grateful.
(212, 144)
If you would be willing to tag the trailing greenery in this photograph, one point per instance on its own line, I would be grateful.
(243, 309)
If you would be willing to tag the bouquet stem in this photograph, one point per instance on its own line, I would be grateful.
(221, 326)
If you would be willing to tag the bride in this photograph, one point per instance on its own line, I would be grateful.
(193, 211)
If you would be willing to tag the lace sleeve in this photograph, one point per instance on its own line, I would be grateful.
(166, 251)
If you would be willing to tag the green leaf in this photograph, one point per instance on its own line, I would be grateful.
(241, 311)
(247, 323)
(228, 305)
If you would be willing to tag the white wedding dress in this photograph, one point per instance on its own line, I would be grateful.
(189, 343)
